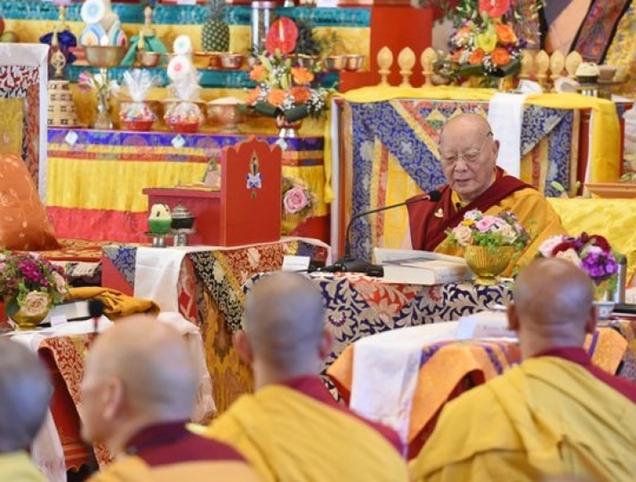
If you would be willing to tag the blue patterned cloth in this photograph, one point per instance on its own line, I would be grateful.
(389, 123)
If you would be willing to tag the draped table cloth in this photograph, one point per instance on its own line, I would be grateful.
(448, 367)
(210, 294)
(98, 176)
(387, 150)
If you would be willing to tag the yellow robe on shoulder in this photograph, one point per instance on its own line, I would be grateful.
(545, 416)
(289, 437)
(131, 468)
(533, 212)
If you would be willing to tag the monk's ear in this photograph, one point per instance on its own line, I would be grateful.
(112, 398)
(326, 343)
(590, 324)
(513, 317)
(243, 347)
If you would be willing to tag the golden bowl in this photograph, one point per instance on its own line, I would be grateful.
(335, 62)
(104, 55)
(354, 62)
(148, 59)
(488, 263)
(231, 61)
(307, 61)
(227, 115)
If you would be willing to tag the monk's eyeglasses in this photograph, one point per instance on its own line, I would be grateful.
(470, 156)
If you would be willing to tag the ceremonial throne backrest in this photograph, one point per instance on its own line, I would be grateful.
(250, 193)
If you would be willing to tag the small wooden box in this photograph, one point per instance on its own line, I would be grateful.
(247, 210)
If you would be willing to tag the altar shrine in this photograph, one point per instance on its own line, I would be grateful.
(159, 160)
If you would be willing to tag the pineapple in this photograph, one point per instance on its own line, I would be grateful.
(216, 33)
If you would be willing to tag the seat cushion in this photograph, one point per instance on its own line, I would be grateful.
(23, 221)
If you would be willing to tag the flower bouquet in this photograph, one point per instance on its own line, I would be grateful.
(489, 242)
(29, 286)
(592, 254)
(485, 44)
(298, 203)
(283, 90)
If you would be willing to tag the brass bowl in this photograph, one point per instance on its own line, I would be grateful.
(104, 55)
(148, 59)
(488, 263)
(227, 115)
(307, 61)
(335, 62)
(231, 61)
(354, 62)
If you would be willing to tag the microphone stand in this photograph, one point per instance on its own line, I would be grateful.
(350, 264)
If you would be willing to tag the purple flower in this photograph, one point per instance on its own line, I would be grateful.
(600, 265)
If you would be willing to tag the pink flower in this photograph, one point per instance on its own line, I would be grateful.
(295, 200)
(35, 303)
(570, 255)
(485, 223)
(59, 283)
(547, 247)
(463, 235)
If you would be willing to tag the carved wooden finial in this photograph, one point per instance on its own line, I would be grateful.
(406, 61)
(572, 62)
(428, 59)
(557, 63)
(542, 64)
(385, 61)
(527, 64)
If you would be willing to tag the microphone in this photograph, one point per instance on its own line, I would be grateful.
(349, 264)
(95, 311)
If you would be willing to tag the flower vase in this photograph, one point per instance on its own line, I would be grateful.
(103, 120)
(286, 128)
(487, 263)
(603, 300)
(26, 320)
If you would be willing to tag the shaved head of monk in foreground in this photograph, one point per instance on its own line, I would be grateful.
(468, 153)
(556, 413)
(291, 428)
(138, 394)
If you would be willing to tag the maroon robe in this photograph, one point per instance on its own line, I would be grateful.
(430, 220)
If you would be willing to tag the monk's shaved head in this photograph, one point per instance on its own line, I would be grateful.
(140, 368)
(553, 304)
(285, 323)
(464, 123)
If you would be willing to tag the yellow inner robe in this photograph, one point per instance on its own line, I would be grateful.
(533, 212)
(131, 468)
(545, 416)
(17, 467)
(288, 436)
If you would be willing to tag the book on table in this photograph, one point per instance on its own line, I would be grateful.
(406, 266)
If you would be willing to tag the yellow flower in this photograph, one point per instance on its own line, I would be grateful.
(468, 222)
(487, 41)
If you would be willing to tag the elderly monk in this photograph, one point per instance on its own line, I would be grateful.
(468, 156)
(138, 393)
(291, 429)
(556, 413)
(25, 391)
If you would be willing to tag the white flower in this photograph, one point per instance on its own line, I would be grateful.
(463, 235)
(474, 215)
(549, 244)
(570, 255)
(35, 303)
(59, 283)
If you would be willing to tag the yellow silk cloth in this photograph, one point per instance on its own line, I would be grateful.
(613, 218)
(533, 212)
(350, 40)
(545, 416)
(133, 469)
(443, 372)
(288, 436)
(17, 466)
(65, 174)
(603, 161)
(622, 51)
(116, 304)
(11, 126)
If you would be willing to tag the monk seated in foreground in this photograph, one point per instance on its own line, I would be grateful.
(138, 393)
(556, 413)
(292, 429)
(25, 391)
(468, 156)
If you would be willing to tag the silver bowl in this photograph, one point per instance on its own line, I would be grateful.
(335, 62)
(104, 55)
